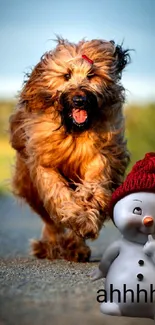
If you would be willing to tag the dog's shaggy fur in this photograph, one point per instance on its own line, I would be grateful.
(68, 132)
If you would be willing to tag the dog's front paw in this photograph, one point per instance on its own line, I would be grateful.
(88, 231)
(85, 224)
(88, 225)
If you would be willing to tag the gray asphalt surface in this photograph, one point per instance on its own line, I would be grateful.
(41, 292)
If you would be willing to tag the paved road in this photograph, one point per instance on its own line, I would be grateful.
(41, 292)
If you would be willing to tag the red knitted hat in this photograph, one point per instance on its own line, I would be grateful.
(140, 179)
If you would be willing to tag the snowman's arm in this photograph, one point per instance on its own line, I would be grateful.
(107, 259)
(149, 248)
(109, 256)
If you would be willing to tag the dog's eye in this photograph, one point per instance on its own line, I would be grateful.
(67, 76)
(137, 210)
(90, 75)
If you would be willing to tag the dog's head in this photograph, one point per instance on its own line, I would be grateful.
(79, 81)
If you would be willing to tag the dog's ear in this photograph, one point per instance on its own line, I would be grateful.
(122, 58)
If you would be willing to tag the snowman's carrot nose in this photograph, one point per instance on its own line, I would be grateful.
(148, 221)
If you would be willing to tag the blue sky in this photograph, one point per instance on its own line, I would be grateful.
(28, 27)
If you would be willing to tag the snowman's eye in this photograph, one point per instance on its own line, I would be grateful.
(137, 210)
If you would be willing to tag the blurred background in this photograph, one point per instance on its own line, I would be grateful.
(27, 30)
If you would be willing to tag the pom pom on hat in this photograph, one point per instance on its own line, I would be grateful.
(140, 179)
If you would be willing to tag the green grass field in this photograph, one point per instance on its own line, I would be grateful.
(7, 155)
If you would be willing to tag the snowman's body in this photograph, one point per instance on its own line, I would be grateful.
(130, 272)
(129, 264)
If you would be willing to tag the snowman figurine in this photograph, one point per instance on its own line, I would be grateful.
(129, 263)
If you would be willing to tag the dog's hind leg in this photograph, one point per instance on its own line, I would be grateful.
(56, 244)
(48, 246)
(75, 248)
(62, 245)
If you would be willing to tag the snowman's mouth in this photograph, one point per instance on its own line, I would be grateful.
(146, 231)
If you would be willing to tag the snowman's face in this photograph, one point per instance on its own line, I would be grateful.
(134, 216)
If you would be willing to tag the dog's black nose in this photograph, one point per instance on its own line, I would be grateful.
(79, 101)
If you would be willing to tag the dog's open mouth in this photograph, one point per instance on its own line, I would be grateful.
(79, 116)
(79, 112)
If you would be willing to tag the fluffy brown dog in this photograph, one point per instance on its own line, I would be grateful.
(68, 132)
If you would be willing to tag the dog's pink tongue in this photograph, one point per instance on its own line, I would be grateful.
(79, 115)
